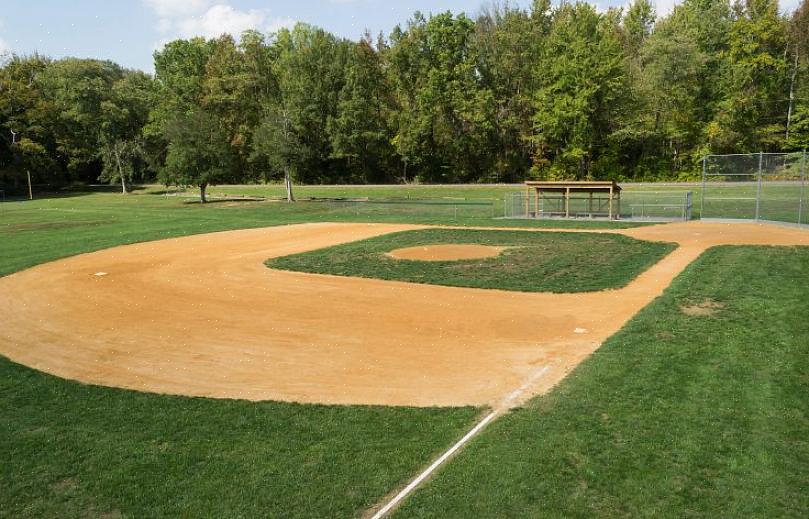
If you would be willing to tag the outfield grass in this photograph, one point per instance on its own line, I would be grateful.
(675, 416)
(33, 232)
(533, 262)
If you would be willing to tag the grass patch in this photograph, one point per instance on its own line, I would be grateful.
(675, 416)
(33, 232)
(534, 262)
(71, 450)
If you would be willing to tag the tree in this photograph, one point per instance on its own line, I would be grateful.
(120, 158)
(509, 44)
(445, 126)
(359, 133)
(278, 147)
(751, 113)
(797, 124)
(309, 69)
(199, 153)
(583, 80)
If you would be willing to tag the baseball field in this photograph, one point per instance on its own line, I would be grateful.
(161, 358)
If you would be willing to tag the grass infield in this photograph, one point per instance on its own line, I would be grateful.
(533, 262)
(677, 415)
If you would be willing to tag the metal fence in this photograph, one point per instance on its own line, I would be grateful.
(756, 186)
(646, 205)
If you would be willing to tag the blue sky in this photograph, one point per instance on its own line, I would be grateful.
(128, 31)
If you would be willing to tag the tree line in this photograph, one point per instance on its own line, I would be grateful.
(563, 92)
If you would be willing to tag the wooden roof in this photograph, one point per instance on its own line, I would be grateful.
(573, 185)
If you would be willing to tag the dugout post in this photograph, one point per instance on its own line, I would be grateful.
(758, 185)
(803, 188)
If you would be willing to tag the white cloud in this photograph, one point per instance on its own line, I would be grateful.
(665, 7)
(220, 19)
(189, 18)
(177, 8)
(5, 48)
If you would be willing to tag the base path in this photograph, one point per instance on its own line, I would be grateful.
(202, 315)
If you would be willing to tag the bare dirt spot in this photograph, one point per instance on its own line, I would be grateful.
(202, 316)
(65, 484)
(446, 252)
(706, 308)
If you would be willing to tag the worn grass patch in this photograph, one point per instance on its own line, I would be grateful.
(530, 262)
(675, 416)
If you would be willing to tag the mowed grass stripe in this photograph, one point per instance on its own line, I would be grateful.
(532, 262)
(677, 415)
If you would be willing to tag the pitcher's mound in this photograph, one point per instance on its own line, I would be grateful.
(446, 252)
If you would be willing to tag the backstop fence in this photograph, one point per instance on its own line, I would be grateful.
(635, 204)
(755, 186)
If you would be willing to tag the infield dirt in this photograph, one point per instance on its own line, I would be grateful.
(203, 316)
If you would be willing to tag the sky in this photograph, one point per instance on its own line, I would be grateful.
(129, 31)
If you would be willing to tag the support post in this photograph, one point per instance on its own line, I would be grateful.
(527, 192)
(536, 203)
(30, 190)
(803, 186)
(567, 202)
(758, 187)
(704, 183)
(610, 202)
(590, 206)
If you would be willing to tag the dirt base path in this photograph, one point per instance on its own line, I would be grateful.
(202, 315)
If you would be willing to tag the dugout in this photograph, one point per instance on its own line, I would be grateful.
(573, 199)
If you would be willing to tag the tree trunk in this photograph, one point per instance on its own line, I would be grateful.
(288, 183)
(791, 93)
(202, 188)
(123, 181)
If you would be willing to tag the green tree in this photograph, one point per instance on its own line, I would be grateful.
(359, 133)
(199, 152)
(752, 113)
(445, 125)
(120, 159)
(583, 79)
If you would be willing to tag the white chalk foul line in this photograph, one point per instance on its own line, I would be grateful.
(437, 463)
(382, 512)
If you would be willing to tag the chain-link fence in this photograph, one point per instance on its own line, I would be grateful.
(646, 205)
(756, 186)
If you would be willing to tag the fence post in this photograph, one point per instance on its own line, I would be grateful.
(803, 185)
(702, 195)
(758, 187)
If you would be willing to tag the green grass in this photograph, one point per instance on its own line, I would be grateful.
(46, 229)
(71, 450)
(547, 262)
(675, 416)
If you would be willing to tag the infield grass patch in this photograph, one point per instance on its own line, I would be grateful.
(531, 262)
(703, 415)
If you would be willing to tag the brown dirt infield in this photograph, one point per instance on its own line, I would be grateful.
(202, 315)
(446, 252)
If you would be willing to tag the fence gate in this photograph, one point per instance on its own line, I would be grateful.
(755, 186)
